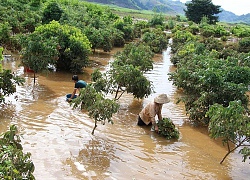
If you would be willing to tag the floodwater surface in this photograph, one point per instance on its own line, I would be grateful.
(63, 148)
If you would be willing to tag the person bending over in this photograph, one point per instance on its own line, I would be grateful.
(79, 84)
(147, 115)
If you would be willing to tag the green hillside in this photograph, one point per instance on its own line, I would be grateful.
(165, 6)
(169, 7)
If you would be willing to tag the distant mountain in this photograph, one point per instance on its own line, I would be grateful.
(226, 16)
(165, 6)
(134, 4)
(170, 7)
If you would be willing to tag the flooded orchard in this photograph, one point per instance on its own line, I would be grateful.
(63, 148)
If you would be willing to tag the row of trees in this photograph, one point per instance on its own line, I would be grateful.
(64, 32)
(214, 73)
(67, 46)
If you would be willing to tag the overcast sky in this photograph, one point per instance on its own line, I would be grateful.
(238, 7)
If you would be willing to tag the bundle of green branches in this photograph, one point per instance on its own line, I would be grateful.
(168, 129)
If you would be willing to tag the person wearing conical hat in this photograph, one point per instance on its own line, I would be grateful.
(147, 115)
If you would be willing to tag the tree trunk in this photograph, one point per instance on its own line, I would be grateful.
(34, 77)
(230, 151)
(93, 131)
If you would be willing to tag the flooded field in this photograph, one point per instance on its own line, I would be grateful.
(63, 148)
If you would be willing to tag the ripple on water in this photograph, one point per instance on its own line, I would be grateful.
(62, 146)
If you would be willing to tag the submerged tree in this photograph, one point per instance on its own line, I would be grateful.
(98, 107)
(63, 46)
(197, 9)
(126, 72)
(125, 75)
(8, 81)
(232, 124)
(156, 39)
(39, 52)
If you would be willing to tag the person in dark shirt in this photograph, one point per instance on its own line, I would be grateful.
(79, 84)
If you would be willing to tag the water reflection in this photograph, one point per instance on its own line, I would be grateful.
(93, 160)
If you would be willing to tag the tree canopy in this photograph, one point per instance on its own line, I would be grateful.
(232, 125)
(214, 78)
(197, 9)
(8, 81)
(61, 45)
(126, 72)
(52, 12)
(15, 164)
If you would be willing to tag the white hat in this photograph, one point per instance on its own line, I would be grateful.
(162, 99)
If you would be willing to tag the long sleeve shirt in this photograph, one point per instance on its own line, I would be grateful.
(149, 112)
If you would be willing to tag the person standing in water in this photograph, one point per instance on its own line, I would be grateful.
(79, 84)
(147, 115)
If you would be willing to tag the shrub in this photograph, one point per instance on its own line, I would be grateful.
(168, 129)
(14, 163)
(244, 45)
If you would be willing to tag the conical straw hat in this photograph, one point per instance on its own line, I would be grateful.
(162, 99)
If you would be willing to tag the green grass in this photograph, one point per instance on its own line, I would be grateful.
(140, 14)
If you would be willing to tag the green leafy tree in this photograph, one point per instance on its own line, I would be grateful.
(244, 45)
(61, 45)
(241, 31)
(156, 39)
(207, 31)
(126, 72)
(8, 81)
(232, 125)
(117, 37)
(98, 107)
(208, 71)
(197, 9)
(207, 80)
(14, 163)
(130, 79)
(5, 33)
(22, 16)
(38, 52)
(136, 54)
(94, 36)
(125, 25)
(52, 12)
(139, 26)
(212, 43)
(221, 31)
(181, 45)
(194, 29)
(157, 20)
(170, 24)
(106, 44)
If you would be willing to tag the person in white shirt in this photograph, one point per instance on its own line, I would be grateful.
(147, 115)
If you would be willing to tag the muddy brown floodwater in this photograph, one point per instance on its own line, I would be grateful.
(62, 147)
